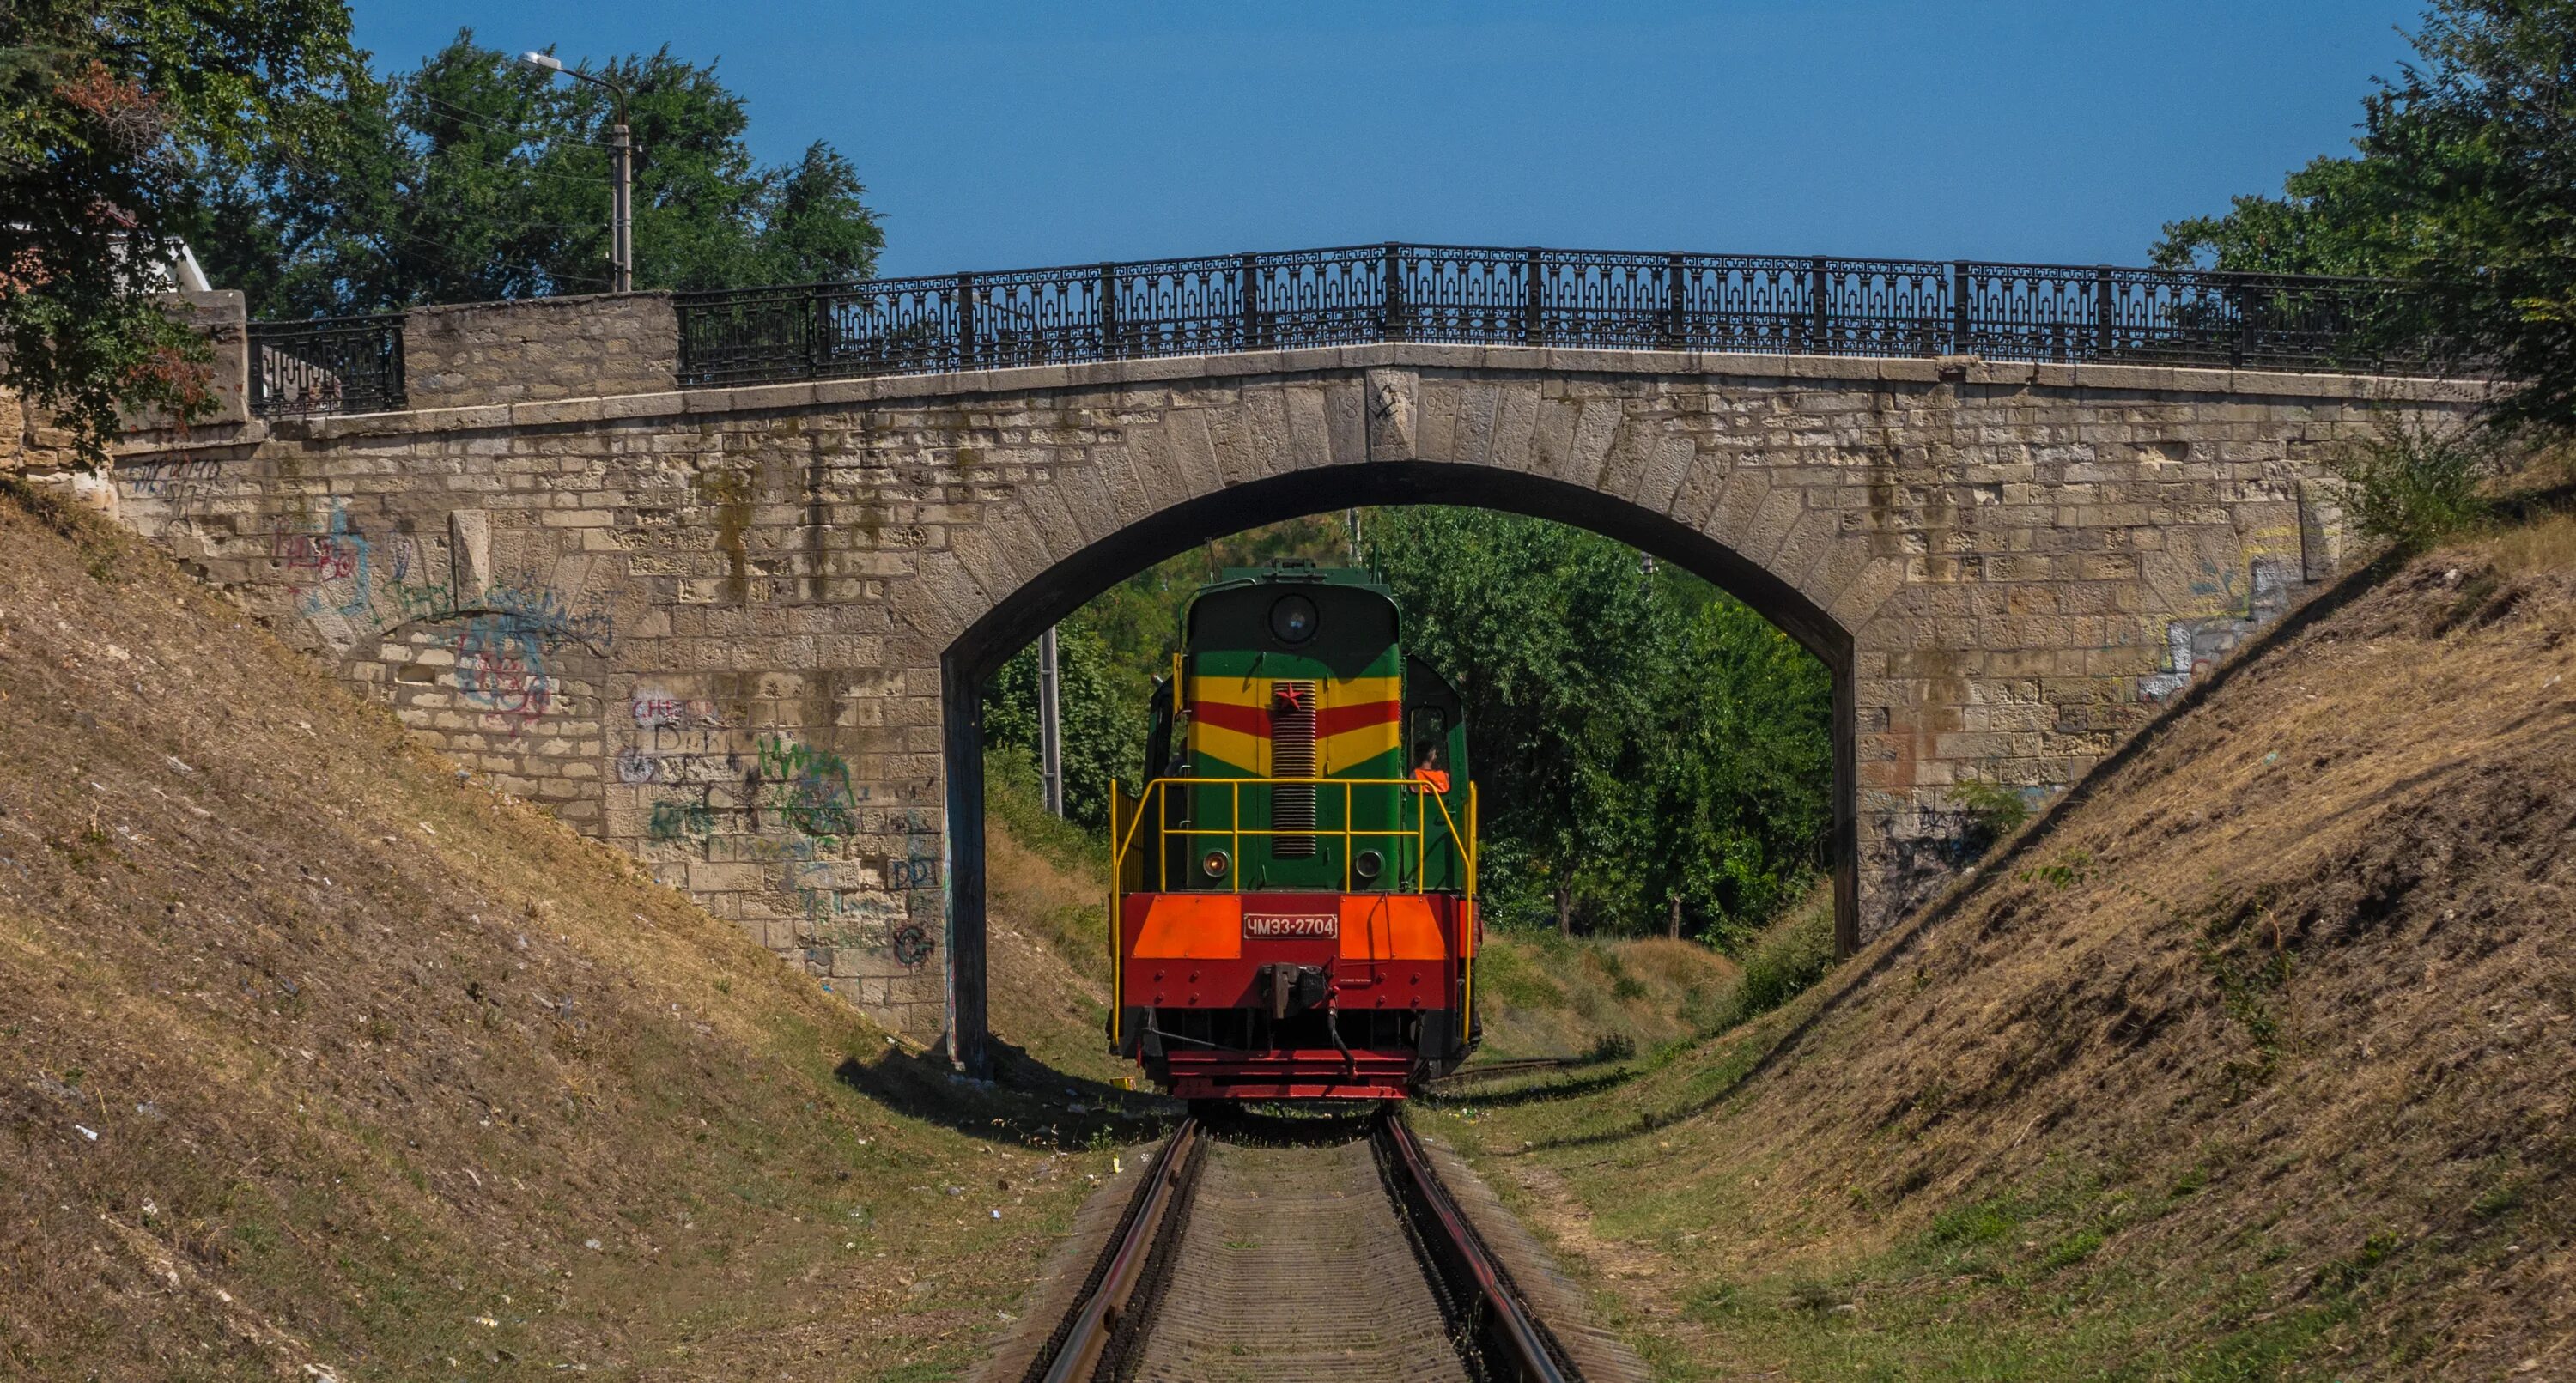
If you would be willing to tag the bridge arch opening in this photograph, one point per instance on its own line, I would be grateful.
(1020, 616)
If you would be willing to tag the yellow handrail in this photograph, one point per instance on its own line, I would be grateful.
(1122, 843)
(1156, 794)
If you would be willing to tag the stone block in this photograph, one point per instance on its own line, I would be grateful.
(540, 349)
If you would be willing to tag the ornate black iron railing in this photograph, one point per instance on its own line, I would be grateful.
(327, 365)
(1598, 299)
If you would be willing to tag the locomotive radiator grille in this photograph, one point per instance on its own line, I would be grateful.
(1292, 755)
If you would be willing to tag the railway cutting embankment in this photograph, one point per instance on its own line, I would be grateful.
(321, 1061)
(2252, 1061)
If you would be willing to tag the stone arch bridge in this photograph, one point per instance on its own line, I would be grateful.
(716, 577)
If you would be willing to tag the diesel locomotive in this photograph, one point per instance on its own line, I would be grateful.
(1293, 886)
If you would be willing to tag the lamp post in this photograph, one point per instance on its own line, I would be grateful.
(621, 154)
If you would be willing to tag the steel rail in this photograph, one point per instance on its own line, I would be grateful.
(1085, 1333)
(1510, 1343)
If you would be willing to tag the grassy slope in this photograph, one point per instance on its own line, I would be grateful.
(2255, 1066)
(386, 1071)
(1542, 995)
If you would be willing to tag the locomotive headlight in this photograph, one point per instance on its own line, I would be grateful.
(1215, 864)
(1367, 864)
(1292, 619)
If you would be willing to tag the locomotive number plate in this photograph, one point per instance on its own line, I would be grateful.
(1323, 925)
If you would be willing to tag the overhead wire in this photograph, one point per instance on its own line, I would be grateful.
(436, 244)
(468, 117)
(502, 165)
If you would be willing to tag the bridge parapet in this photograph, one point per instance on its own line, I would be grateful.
(495, 353)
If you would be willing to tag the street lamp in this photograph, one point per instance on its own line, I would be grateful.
(621, 204)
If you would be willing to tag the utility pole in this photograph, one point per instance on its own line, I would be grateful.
(1050, 726)
(621, 204)
(621, 183)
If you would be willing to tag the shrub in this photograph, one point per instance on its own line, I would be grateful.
(2415, 484)
(1013, 797)
(1998, 810)
(1782, 961)
(1790, 957)
(1613, 1046)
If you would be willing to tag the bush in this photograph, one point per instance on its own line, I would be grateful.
(1998, 810)
(2415, 484)
(1784, 961)
(1789, 958)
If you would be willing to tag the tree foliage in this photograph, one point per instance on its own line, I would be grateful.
(1635, 734)
(1104, 734)
(476, 177)
(2414, 484)
(2463, 182)
(113, 112)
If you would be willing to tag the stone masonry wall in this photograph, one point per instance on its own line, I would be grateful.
(709, 626)
(540, 348)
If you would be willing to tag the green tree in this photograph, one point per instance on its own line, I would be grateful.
(1561, 644)
(1742, 813)
(1104, 738)
(110, 111)
(477, 178)
(2463, 182)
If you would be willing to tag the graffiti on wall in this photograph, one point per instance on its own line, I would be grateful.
(506, 639)
(327, 571)
(506, 643)
(810, 787)
(501, 668)
(540, 611)
(847, 869)
(2243, 604)
(856, 876)
(175, 482)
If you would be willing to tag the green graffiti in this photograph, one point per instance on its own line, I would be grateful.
(808, 786)
(680, 820)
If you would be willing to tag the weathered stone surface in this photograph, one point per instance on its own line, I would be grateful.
(1394, 400)
(711, 626)
(544, 349)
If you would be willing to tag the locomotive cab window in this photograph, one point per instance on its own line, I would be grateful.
(1429, 726)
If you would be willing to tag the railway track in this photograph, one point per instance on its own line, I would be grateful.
(1305, 1249)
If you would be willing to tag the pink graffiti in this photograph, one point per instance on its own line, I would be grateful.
(502, 672)
(329, 556)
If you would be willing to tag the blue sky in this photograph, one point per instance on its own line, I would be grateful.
(998, 135)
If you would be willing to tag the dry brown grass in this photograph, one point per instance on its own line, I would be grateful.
(2257, 1065)
(1048, 935)
(2545, 545)
(313, 1054)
